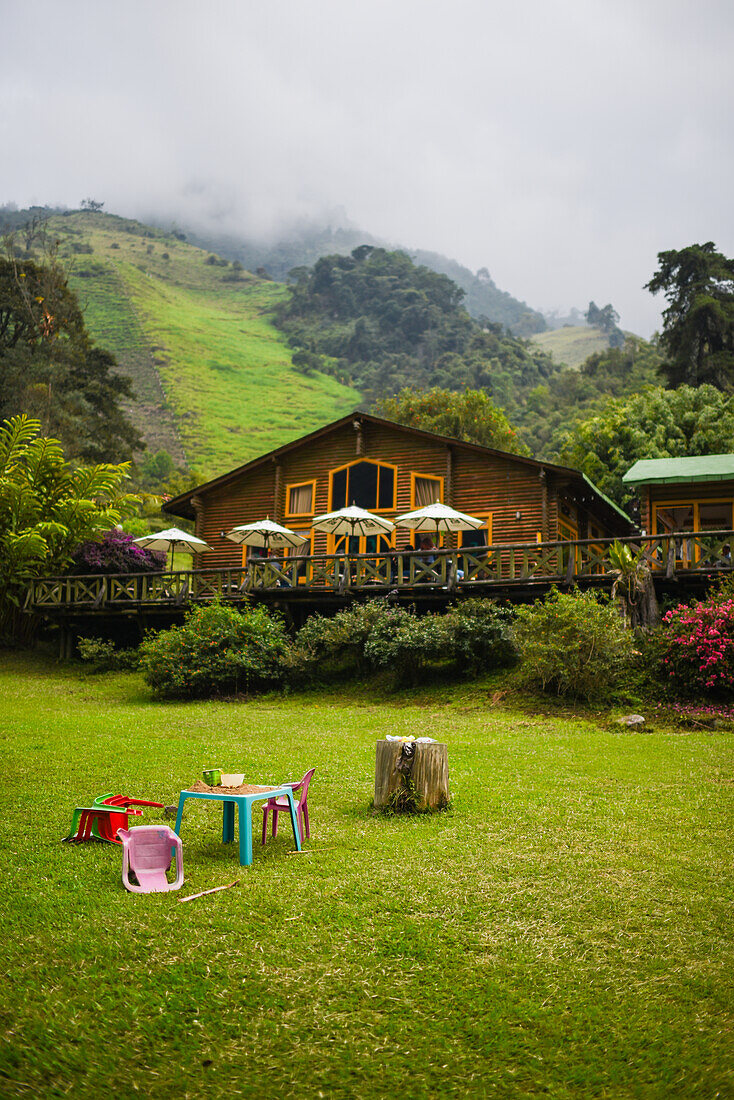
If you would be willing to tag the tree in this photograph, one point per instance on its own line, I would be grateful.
(656, 423)
(470, 416)
(698, 332)
(384, 322)
(47, 507)
(607, 321)
(50, 369)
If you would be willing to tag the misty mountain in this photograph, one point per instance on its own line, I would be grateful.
(307, 243)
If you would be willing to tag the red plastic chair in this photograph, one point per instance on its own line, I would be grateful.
(280, 805)
(123, 800)
(100, 823)
(101, 820)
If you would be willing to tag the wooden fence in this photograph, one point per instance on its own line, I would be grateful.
(470, 571)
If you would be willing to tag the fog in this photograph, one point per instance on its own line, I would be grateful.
(561, 145)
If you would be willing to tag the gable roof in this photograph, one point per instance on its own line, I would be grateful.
(181, 505)
(671, 471)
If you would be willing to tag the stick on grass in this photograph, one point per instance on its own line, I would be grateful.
(214, 889)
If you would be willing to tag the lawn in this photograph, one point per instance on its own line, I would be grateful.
(563, 930)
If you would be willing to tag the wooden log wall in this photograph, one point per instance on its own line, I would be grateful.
(472, 482)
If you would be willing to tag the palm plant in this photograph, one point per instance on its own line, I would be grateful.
(633, 586)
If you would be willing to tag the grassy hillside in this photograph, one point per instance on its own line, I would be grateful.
(214, 380)
(571, 345)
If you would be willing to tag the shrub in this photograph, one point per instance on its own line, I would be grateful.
(115, 552)
(405, 643)
(479, 636)
(376, 635)
(103, 656)
(218, 649)
(573, 644)
(697, 645)
(326, 647)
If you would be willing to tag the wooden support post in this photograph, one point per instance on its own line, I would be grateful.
(543, 505)
(430, 774)
(359, 437)
(277, 492)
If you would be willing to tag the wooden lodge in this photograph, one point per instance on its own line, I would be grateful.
(543, 524)
(390, 469)
(684, 494)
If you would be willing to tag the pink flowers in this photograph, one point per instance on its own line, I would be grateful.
(699, 644)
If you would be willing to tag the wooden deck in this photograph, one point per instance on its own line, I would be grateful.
(683, 562)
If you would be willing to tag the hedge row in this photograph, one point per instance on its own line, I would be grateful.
(572, 644)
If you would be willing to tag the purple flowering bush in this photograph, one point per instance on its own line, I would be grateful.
(697, 643)
(116, 552)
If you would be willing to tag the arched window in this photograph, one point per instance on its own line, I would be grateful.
(370, 485)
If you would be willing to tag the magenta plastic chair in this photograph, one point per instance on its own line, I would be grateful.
(280, 805)
(147, 852)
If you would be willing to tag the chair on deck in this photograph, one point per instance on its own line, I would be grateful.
(280, 805)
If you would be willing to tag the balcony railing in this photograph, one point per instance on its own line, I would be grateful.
(471, 569)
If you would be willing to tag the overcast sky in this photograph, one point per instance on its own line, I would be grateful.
(561, 145)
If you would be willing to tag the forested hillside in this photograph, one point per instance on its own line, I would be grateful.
(215, 365)
(379, 322)
(305, 245)
(212, 379)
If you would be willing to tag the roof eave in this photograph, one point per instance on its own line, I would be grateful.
(679, 480)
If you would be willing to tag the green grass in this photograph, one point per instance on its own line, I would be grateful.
(213, 377)
(571, 345)
(564, 930)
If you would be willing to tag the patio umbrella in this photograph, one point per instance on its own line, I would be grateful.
(264, 533)
(352, 521)
(173, 538)
(438, 517)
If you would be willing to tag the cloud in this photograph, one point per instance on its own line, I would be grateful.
(561, 145)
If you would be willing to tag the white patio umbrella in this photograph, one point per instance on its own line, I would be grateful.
(438, 517)
(352, 521)
(173, 538)
(264, 532)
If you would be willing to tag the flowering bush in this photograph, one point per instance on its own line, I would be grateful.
(116, 552)
(217, 650)
(698, 645)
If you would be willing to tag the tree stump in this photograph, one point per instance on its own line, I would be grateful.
(429, 775)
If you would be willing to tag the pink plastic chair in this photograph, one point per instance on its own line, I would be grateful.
(280, 805)
(146, 852)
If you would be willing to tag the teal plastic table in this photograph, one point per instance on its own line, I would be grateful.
(244, 804)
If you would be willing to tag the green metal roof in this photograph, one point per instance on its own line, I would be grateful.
(670, 471)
